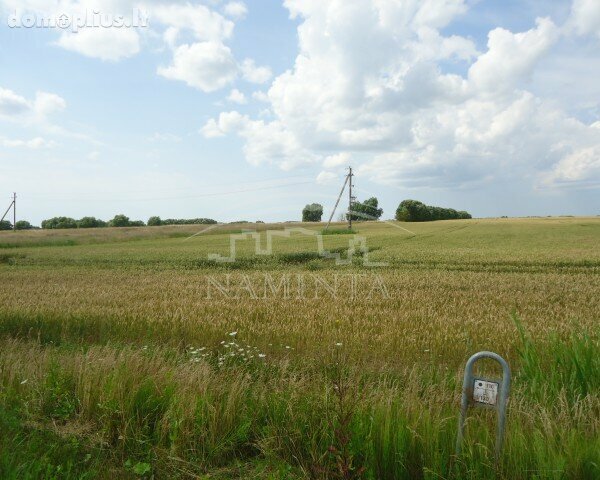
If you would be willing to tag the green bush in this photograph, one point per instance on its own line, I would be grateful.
(415, 211)
(312, 212)
(59, 223)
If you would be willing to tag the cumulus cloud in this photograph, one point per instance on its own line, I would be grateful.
(255, 74)
(208, 66)
(11, 103)
(585, 17)
(387, 98)
(266, 142)
(104, 43)
(511, 57)
(236, 10)
(236, 96)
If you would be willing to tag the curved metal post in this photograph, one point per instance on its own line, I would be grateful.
(482, 392)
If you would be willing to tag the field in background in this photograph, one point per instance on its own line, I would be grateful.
(128, 353)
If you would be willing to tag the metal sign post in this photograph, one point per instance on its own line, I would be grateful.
(483, 392)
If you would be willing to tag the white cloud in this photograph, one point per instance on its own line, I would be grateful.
(48, 103)
(260, 96)
(208, 66)
(255, 74)
(236, 96)
(266, 143)
(236, 10)
(34, 143)
(337, 160)
(385, 98)
(104, 43)
(11, 103)
(511, 57)
(204, 23)
(585, 17)
(327, 178)
(164, 137)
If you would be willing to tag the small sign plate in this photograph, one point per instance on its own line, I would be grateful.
(485, 392)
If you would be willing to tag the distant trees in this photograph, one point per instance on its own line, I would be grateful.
(59, 223)
(366, 211)
(154, 221)
(23, 225)
(312, 212)
(415, 211)
(5, 225)
(90, 222)
(157, 221)
(119, 221)
(188, 221)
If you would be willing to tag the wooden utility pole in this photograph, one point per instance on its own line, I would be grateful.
(12, 205)
(350, 199)
(347, 180)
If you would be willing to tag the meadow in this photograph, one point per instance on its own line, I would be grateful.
(129, 353)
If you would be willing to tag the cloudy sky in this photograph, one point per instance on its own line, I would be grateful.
(249, 110)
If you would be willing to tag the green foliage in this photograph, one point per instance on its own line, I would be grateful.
(90, 222)
(24, 225)
(189, 221)
(154, 221)
(415, 211)
(6, 225)
(119, 221)
(312, 212)
(123, 221)
(59, 223)
(366, 211)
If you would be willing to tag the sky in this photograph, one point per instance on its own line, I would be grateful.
(249, 110)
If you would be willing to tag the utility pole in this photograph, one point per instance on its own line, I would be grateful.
(12, 205)
(350, 199)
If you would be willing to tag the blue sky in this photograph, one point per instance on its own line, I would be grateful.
(250, 110)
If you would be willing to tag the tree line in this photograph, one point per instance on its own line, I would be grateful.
(118, 221)
(407, 211)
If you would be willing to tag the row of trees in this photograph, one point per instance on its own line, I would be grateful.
(157, 221)
(20, 225)
(118, 221)
(407, 211)
(415, 211)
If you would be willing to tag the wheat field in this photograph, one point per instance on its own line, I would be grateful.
(129, 353)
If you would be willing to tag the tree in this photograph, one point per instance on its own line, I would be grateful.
(312, 213)
(119, 221)
(367, 210)
(5, 225)
(59, 223)
(154, 222)
(23, 225)
(415, 211)
(90, 222)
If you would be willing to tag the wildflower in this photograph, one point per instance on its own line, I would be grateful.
(338, 344)
(233, 334)
(261, 355)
